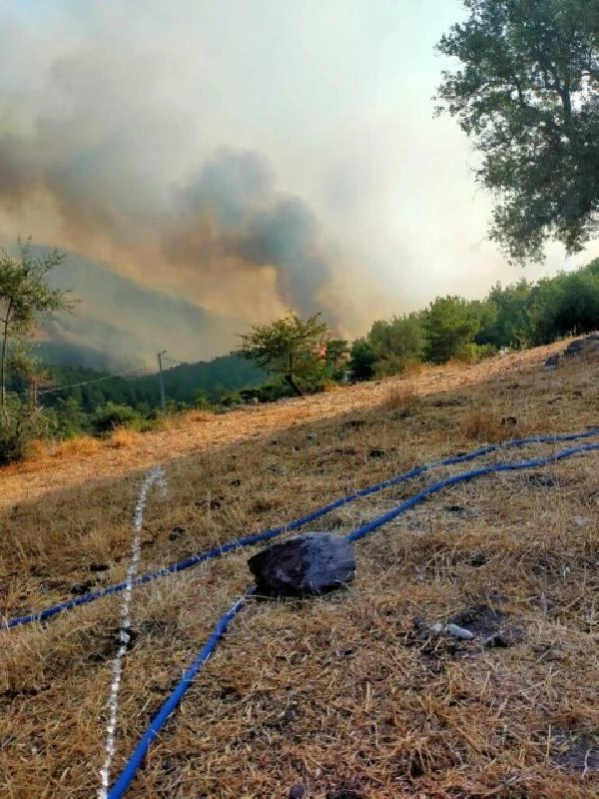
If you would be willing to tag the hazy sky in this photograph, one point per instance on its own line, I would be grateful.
(334, 94)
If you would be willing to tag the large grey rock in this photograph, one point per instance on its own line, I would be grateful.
(552, 363)
(585, 345)
(313, 563)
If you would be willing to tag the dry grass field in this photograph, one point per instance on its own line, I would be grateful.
(347, 696)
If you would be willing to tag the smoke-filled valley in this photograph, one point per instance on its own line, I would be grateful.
(209, 167)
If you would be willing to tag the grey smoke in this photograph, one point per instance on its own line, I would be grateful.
(116, 197)
(256, 224)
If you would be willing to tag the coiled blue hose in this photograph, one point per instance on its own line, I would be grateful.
(268, 535)
(128, 774)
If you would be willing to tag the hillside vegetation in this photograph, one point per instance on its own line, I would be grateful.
(342, 695)
(80, 400)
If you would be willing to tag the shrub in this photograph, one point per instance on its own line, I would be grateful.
(402, 399)
(17, 432)
(201, 402)
(231, 400)
(112, 415)
(363, 359)
(473, 353)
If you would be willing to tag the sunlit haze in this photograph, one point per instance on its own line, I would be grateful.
(247, 156)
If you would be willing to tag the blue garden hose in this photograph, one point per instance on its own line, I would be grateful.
(267, 535)
(135, 761)
(159, 720)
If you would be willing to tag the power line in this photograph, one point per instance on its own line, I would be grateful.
(173, 360)
(91, 382)
(127, 373)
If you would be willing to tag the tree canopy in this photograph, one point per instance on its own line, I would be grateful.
(526, 91)
(24, 295)
(291, 347)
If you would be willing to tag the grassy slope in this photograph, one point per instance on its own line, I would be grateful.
(337, 694)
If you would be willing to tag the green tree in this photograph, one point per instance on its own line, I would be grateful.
(363, 360)
(399, 343)
(511, 327)
(526, 92)
(24, 295)
(451, 323)
(564, 305)
(291, 347)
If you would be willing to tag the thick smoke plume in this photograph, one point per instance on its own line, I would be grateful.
(94, 158)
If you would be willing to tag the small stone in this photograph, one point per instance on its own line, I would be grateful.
(542, 480)
(459, 509)
(504, 638)
(546, 603)
(353, 423)
(98, 567)
(297, 792)
(276, 468)
(377, 453)
(436, 629)
(458, 632)
(495, 640)
(479, 559)
(313, 563)
(176, 533)
(552, 363)
(82, 588)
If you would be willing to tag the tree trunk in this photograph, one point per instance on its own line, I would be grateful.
(3, 364)
(289, 379)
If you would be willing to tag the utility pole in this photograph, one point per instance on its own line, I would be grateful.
(161, 379)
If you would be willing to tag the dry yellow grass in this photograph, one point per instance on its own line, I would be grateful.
(402, 399)
(183, 436)
(343, 695)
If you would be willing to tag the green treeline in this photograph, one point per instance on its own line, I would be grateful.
(451, 328)
(517, 316)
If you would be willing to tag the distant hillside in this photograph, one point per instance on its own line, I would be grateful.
(118, 323)
(72, 355)
(92, 388)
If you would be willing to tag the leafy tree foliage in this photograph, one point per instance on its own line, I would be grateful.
(290, 347)
(24, 295)
(526, 91)
(515, 316)
(399, 342)
(363, 359)
(565, 305)
(452, 324)
(511, 326)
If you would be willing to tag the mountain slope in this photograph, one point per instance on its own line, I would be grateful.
(126, 324)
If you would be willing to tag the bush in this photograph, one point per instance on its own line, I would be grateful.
(363, 359)
(112, 415)
(390, 365)
(231, 400)
(268, 392)
(17, 431)
(201, 402)
(473, 353)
